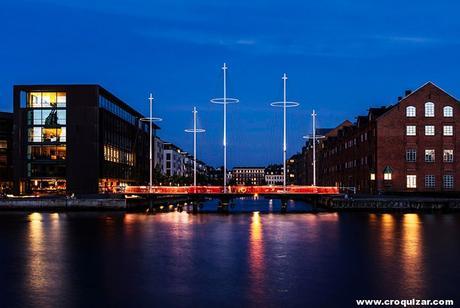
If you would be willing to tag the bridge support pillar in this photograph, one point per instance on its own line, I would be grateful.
(223, 205)
(284, 201)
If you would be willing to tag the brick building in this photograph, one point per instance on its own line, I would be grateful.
(407, 147)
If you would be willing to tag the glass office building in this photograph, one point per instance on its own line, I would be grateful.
(76, 139)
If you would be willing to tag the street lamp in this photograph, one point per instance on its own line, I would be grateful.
(225, 101)
(194, 130)
(151, 119)
(284, 104)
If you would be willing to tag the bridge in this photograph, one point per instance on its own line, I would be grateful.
(226, 192)
(196, 194)
(231, 191)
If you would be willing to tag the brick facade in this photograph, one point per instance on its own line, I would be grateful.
(360, 154)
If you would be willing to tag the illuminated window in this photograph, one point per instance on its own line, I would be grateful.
(448, 130)
(429, 156)
(448, 156)
(411, 130)
(448, 111)
(429, 110)
(448, 181)
(387, 173)
(430, 181)
(410, 111)
(372, 176)
(411, 181)
(429, 130)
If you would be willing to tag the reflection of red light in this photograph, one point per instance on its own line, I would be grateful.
(247, 190)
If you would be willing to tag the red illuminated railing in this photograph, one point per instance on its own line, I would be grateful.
(249, 190)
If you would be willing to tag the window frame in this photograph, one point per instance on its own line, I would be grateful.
(430, 133)
(411, 112)
(430, 181)
(429, 110)
(409, 130)
(448, 111)
(426, 155)
(411, 181)
(450, 182)
(450, 156)
(409, 153)
(448, 133)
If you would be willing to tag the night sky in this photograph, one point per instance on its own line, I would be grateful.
(341, 59)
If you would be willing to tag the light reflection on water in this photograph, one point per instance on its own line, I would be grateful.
(179, 258)
(412, 253)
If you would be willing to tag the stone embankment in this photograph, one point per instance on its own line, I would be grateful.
(390, 203)
(62, 204)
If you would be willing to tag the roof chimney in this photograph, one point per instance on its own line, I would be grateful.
(407, 92)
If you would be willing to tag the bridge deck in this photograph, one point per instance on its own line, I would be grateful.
(232, 190)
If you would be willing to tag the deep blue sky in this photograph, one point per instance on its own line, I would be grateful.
(341, 58)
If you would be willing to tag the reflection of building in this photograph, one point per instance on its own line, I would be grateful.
(410, 146)
(274, 175)
(6, 133)
(76, 138)
(248, 175)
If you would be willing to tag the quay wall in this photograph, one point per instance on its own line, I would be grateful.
(62, 204)
(385, 204)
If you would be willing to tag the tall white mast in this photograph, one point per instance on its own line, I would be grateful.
(314, 137)
(195, 130)
(150, 144)
(150, 119)
(224, 101)
(224, 68)
(284, 104)
(313, 115)
(284, 131)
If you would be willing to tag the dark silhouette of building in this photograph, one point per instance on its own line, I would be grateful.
(76, 139)
(6, 146)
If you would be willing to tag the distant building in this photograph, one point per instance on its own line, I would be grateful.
(411, 146)
(294, 166)
(159, 155)
(174, 164)
(6, 147)
(77, 139)
(248, 175)
(274, 175)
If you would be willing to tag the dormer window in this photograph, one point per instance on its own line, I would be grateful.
(410, 111)
(387, 173)
(429, 110)
(448, 112)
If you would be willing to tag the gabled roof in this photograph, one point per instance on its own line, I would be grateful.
(426, 84)
(416, 90)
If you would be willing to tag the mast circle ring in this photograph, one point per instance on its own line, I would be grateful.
(151, 119)
(288, 104)
(191, 130)
(222, 101)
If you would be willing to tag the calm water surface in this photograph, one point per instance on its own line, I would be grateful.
(243, 259)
